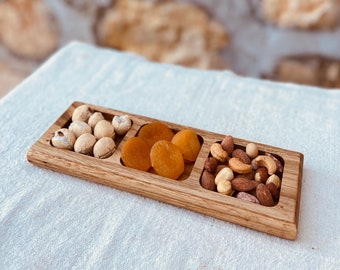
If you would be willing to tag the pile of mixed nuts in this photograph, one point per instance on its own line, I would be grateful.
(245, 174)
(90, 133)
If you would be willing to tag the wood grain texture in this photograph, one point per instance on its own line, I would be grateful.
(280, 220)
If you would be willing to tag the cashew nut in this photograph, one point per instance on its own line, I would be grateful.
(275, 180)
(224, 174)
(224, 187)
(217, 152)
(278, 162)
(238, 166)
(267, 162)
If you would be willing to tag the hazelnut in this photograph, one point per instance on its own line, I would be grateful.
(84, 144)
(104, 148)
(63, 138)
(104, 129)
(251, 150)
(79, 128)
(95, 118)
(121, 124)
(81, 113)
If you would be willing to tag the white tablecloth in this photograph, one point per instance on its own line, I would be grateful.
(50, 220)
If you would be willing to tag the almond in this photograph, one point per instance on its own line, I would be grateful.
(274, 191)
(250, 175)
(261, 174)
(243, 184)
(247, 197)
(210, 164)
(263, 195)
(208, 181)
(228, 144)
(239, 153)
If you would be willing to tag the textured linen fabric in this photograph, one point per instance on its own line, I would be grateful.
(50, 220)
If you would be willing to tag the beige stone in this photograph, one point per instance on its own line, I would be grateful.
(303, 14)
(168, 32)
(309, 70)
(27, 28)
(290, 70)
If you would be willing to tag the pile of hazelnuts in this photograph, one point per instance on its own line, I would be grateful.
(90, 133)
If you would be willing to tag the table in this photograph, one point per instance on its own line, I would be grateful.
(49, 220)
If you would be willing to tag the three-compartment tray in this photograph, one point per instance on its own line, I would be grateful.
(280, 220)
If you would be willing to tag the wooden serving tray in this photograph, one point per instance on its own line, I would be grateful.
(280, 220)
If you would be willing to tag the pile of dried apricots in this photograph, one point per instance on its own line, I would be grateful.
(157, 147)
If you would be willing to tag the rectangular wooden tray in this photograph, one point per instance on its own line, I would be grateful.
(280, 220)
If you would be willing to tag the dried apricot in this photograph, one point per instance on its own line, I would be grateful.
(136, 154)
(154, 132)
(187, 141)
(166, 159)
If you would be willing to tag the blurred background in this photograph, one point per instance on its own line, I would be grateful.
(288, 41)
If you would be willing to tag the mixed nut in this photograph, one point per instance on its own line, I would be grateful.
(244, 173)
(90, 133)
